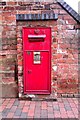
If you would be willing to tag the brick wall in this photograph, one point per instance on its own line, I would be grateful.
(64, 47)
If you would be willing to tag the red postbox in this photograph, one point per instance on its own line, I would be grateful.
(37, 60)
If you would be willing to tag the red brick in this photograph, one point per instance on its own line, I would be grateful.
(54, 40)
(72, 21)
(77, 26)
(56, 11)
(73, 86)
(20, 63)
(57, 56)
(8, 80)
(61, 61)
(64, 45)
(56, 6)
(66, 17)
(0, 17)
(63, 12)
(9, 8)
(11, 3)
(54, 34)
(55, 28)
(55, 45)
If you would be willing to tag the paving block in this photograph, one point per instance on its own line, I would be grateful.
(56, 108)
(16, 103)
(23, 115)
(67, 108)
(18, 112)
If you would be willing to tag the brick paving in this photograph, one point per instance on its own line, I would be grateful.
(60, 109)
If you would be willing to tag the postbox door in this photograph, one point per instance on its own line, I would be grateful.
(37, 72)
(37, 60)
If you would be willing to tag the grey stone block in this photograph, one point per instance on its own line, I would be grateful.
(18, 112)
(16, 103)
(68, 108)
(23, 115)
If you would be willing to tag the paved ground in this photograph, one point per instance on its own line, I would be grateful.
(62, 108)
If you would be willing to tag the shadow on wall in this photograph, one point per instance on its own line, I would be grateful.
(16, 73)
(10, 90)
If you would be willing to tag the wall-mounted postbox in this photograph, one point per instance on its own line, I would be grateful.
(37, 60)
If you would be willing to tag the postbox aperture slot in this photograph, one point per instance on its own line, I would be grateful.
(36, 38)
(36, 58)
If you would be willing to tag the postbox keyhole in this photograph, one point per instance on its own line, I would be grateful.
(28, 52)
(29, 71)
